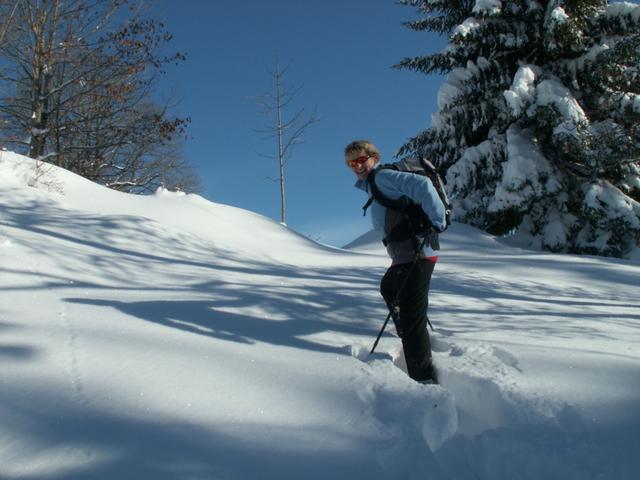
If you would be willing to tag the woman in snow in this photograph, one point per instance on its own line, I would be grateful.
(405, 285)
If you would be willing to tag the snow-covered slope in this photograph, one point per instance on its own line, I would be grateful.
(169, 337)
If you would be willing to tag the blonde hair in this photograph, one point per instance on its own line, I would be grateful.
(359, 145)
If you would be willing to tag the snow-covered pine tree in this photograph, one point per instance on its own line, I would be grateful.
(538, 122)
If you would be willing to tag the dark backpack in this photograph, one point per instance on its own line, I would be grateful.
(416, 222)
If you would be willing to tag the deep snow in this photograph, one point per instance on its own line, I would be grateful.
(169, 337)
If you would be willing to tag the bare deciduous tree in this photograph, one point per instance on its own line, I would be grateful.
(76, 90)
(287, 130)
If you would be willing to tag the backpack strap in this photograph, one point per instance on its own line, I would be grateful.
(366, 206)
(400, 204)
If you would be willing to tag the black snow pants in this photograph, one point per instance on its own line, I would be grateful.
(412, 322)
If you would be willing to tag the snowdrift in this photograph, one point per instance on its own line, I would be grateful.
(169, 337)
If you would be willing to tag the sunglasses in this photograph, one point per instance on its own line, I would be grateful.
(358, 161)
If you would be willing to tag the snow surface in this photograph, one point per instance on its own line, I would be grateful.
(169, 337)
(522, 172)
(617, 9)
(487, 6)
(553, 92)
(559, 15)
(522, 89)
(466, 27)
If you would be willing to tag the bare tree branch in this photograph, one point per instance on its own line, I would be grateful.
(78, 93)
(288, 131)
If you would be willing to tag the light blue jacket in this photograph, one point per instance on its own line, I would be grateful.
(419, 189)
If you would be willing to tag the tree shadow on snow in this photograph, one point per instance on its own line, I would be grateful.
(207, 319)
(468, 303)
(13, 351)
(106, 443)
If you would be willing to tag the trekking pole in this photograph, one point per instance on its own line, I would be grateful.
(384, 325)
(393, 310)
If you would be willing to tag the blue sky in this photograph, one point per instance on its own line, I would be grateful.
(340, 53)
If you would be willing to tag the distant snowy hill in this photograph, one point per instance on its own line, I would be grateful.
(366, 241)
(169, 337)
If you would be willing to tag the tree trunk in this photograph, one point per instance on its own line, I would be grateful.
(281, 152)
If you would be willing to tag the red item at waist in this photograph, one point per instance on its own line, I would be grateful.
(431, 259)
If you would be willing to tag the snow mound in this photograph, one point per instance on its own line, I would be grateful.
(367, 241)
(170, 337)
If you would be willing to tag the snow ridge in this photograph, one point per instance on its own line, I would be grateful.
(151, 337)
